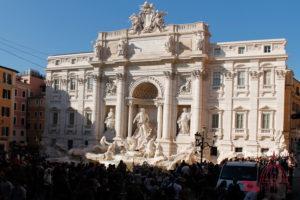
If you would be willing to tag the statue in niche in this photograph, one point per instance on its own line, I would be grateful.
(110, 119)
(280, 140)
(183, 122)
(111, 88)
(186, 87)
(199, 42)
(122, 48)
(143, 130)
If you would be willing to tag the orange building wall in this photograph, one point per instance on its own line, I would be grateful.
(6, 121)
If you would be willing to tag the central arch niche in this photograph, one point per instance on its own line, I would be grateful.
(145, 90)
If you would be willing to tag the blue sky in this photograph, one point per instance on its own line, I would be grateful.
(64, 26)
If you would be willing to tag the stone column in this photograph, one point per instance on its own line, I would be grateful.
(120, 106)
(196, 108)
(167, 106)
(130, 119)
(96, 121)
(159, 119)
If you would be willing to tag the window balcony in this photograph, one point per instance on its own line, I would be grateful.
(240, 133)
(265, 133)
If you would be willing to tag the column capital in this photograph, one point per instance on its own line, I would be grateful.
(120, 76)
(169, 75)
(198, 73)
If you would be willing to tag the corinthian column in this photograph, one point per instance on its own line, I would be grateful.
(96, 87)
(196, 107)
(120, 106)
(159, 119)
(130, 118)
(167, 106)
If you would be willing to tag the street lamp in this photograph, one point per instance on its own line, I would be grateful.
(200, 141)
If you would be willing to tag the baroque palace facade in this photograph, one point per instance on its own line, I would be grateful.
(236, 90)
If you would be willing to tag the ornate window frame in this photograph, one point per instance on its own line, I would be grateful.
(89, 111)
(240, 132)
(245, 88)
(266, 133)
(263, 87)
(217, 131)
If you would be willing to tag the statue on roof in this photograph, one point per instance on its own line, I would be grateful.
(148, 20)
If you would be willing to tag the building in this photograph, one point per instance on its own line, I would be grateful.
(22, 92)
(236, 90)
(35, 106)
(292, 106)
(7, 85)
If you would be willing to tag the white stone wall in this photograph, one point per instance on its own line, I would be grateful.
(148, 60)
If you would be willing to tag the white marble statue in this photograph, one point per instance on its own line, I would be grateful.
(158, 151)
(110, 119)
(170, 45)
(150, 149)
(199, 42)
(143, 130)
(122, 48)
(148, 20)
(111, 150)
(99, 50)
(183, 122)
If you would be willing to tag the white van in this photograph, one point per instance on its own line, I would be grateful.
(246, 174)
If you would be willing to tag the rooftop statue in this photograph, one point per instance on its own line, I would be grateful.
(148, 20)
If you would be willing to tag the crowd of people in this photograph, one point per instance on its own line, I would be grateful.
(35, 178)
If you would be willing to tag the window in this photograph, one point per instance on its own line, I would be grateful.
(55, 118)
(238, 149)
(5, 131)
(15, 120)
(16, 92)
(72, 84)
(216, 79)
(217, 51)
(241, 50)
(35, 114)
(15, 106)
(40, 126)
(6, 94)
(7, 78)
(239, 120)
(86, 143)
(57, 62)
(265, 121)
(22, 121)
(71, 118)
(41, 114)
(267, 49)
(267, 77)
(215, 121)
(22, 133)
(14, 133)
(5, 111)
(264, 150)
(37, 102)
(89, 83)
(88, 118)
(297, 91)
(23, 94)
(23, 107)
(73, 61)
(241, 78)
(56, 84)
(35, 126)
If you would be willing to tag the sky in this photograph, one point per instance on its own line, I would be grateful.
(31, 30)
